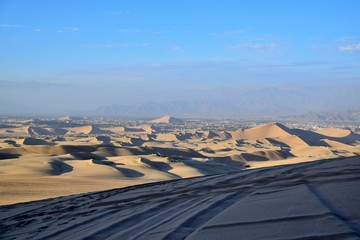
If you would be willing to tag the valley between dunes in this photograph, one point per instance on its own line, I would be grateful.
(40, 162)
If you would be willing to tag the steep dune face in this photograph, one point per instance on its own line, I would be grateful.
(268, 131)
(288, 141)
(92, 130)
(340, 135)
(46, 131)
(334, 132)
(311, 138)
(211, 134)
(265, 155)
(35, 141)
(298, 137)
(335, 144)
(166, 119)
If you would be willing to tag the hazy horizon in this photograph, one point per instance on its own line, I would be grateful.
(224, 58)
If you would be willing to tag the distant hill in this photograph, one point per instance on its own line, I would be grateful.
(225, 109)
(345, 116)
(167, 119)
(304, 103)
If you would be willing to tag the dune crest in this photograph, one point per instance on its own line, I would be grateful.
(93, 157)
(253, 204)
(268, 131)
(166, 119)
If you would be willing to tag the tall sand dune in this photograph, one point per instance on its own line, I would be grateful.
(167, 119)
(268, 131)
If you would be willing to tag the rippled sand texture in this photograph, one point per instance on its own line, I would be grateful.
(317, 200)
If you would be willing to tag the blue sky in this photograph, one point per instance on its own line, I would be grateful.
(172, 44)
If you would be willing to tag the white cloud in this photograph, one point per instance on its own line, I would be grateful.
(350, 48)
(72, 29)
(37, 30)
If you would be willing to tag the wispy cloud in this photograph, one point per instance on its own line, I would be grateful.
(9, 26)
(261, 48)
(72, 29)
(157, 32)
(350, 48)
(144, 44)
(176, 48)
(341, 45)
(101, 45)
(254, 46)
(118, 45)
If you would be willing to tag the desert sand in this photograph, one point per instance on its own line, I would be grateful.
(40, 161)
(173, 181)
(317, 200)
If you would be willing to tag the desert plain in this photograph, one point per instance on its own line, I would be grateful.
(171, 179)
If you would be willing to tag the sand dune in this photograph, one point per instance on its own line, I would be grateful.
(89, 158)
(267, 131)
(123, 130)
(35, 141)
(311, 151)
(287, 141)
(174, 183)
(166, 119)
(168, 137)
(88, 130)
(317, 200)
(46, 131)
(335, 144)
(150, 129)
(211, 134)
(49, 150)
(334, 132)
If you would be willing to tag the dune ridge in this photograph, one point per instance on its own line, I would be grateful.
(317, 200)
(166, 119)
(91, 158)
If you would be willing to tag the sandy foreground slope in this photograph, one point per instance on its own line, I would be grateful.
(40, 162)
(315, 200)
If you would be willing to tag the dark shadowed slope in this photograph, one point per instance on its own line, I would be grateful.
(304, 201)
